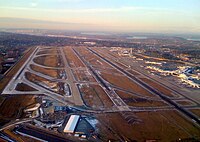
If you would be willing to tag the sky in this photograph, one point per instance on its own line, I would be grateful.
(105, 15)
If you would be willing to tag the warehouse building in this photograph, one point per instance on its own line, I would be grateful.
(71, 124)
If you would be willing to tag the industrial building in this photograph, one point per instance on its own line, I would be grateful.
(71, 124)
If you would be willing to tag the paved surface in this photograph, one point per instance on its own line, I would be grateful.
(163, 97)
(19, 77)
(117, 101)
(71, 80)
(75, 99)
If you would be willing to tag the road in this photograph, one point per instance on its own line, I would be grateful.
(41, 135)
(16, 122)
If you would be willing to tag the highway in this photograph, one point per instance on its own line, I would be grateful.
(41, 135)
(16, 122)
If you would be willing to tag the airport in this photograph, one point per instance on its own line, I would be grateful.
(82, 92)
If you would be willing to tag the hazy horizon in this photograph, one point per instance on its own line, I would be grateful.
(111, 15)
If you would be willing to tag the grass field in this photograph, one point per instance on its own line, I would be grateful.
(13, 106)
(159, 87)
(83, 75)
(91, 58)
(132, 100)
(196, 112)
(185, 102)
(49, 60)
(54, 86)
(95, 97)
(48, 51)
(13, 71)
(50, 72)
(159, 126)
(24, 87)
(126, 83)
(1, 99)
(72, 59)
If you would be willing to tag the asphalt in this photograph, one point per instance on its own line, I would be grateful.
(19, 77)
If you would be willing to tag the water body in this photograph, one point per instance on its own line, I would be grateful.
(95, 34)
(137, 37)
(193, 39)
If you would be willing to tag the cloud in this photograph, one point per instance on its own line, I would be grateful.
(33, 4)
(89, 10)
